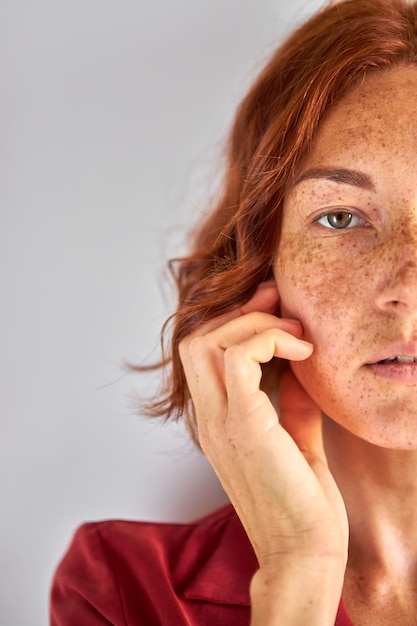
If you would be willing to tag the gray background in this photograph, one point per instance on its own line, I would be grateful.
(112, 120)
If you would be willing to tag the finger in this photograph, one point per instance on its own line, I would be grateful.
(241, 329)
(302, 419)
(242, 361)
(209, 347)
(265, 299)
(256, 336)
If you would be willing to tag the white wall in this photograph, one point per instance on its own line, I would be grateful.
(112, 113)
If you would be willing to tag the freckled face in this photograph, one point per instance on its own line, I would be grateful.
(347, 261)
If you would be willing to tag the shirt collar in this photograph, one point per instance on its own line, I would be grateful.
(228, 563)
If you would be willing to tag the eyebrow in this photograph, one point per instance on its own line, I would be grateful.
(337, 175)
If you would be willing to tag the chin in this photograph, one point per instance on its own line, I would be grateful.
(395, 436)
(377, 414)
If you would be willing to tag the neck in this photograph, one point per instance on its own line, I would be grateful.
(379, 487)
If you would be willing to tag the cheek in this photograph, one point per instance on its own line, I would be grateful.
(329, 294)
(330, 286)
(325, 286)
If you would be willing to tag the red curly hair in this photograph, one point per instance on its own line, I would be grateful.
(234, 248)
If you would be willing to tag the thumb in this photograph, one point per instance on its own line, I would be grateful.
(300, 415)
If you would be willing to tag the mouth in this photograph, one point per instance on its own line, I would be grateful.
(398, 352)
(397, 359)
(396, 363)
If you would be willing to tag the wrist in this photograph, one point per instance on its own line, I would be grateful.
(297, 591)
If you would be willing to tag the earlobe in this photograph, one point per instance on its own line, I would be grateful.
(272, 285)
(271, 282)
(269, 285)
(265, 299)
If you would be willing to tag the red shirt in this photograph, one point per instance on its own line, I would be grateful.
(157, 574)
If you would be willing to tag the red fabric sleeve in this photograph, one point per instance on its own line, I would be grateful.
(120, 573)
(84, 590)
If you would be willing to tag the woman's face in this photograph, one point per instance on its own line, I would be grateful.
(347, 261)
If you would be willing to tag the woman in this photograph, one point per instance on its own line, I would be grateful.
(299, 299)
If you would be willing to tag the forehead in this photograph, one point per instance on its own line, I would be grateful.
(379, 113)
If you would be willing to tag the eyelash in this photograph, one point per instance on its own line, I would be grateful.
(354, 222)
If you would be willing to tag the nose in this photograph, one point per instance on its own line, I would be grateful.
(397, 294)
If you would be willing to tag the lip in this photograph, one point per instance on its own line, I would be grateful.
(398, 372)
(395, 349)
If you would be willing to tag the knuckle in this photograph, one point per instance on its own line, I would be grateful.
(197, 346)
(191, 347)
(234, 353)
(183, 348)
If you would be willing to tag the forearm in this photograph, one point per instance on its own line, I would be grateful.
(305, 591)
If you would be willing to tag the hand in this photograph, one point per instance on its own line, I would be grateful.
(274, 471)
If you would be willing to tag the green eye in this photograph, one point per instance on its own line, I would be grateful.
(339, 220)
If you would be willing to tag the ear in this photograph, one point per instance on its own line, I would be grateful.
(272, 285)
(265, 299)
(271, 282)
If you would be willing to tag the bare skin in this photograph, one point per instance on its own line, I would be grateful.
(357, 295)
(295, 520)
(346, 268)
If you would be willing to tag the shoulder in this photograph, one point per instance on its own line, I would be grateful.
(139, 532)
(129, 567)
(113, 539)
